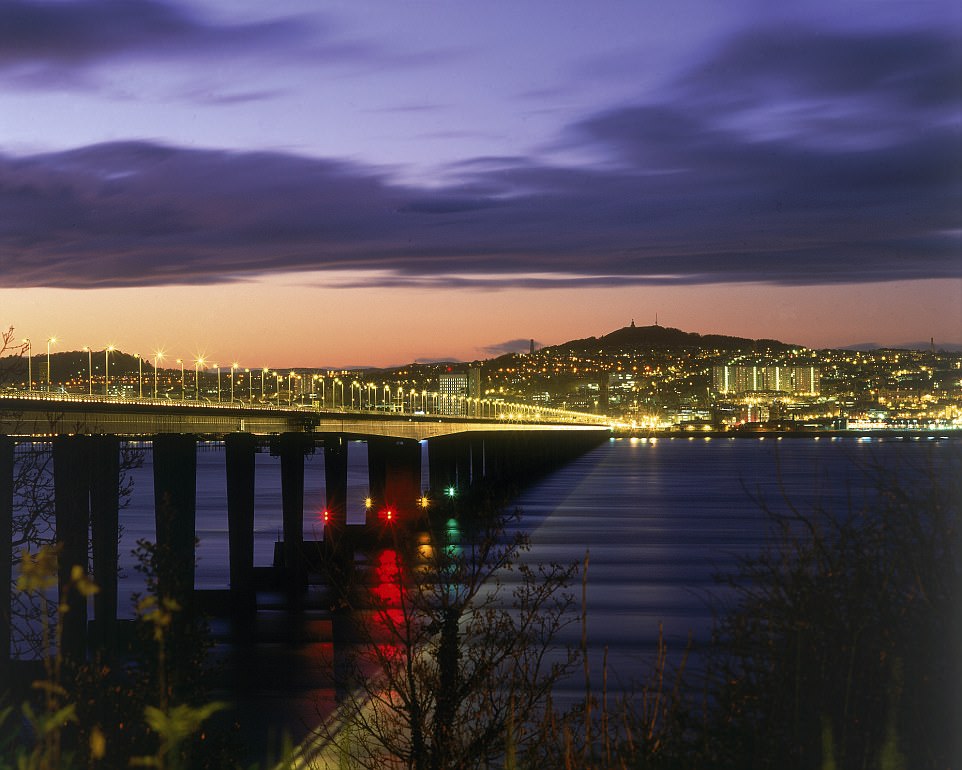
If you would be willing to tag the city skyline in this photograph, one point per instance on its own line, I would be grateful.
(442, 181)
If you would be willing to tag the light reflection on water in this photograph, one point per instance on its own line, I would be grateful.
(659, 519)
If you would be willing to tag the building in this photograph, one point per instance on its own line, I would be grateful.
(459, 390)
(736, 379)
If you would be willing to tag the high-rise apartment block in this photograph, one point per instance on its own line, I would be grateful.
(735, 379)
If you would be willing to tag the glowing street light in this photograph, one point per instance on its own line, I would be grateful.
(263, 372)
(233, 369)
(90, 370)
(140, 374)
(218, 380)
(50, 340)
(107, 351)
(198, 362)
(158, 356)
(181, 362)
(26, 341)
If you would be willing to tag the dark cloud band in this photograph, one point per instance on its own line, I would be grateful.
(860, 182)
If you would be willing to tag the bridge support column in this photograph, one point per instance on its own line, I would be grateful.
(496, 464)
(394, 474)
(6, 552)
(335, 482)
(104, 523)
(175, 514)
(72, 512)
(477, 459)
(292, 447)
(442, 464)
(450, 462)
(239, 456)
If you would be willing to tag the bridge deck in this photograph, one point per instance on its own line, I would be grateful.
(22, 415)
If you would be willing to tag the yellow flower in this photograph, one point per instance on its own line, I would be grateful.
(38, 571)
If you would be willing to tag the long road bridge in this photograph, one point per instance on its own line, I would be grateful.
(470, 442)
(37, 414)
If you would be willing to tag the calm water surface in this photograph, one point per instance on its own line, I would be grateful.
(658, 518)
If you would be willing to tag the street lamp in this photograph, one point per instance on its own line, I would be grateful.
(218, 380)
(181, 362)
(140, 375)
(29, 364)
(158, 356)
(233, 369)
(263, 372)
(197, 364)
(107, 351)
(90, 370)
(50, 340)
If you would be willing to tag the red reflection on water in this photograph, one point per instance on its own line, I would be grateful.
(387, 592)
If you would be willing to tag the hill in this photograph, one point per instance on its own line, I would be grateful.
(665, 337)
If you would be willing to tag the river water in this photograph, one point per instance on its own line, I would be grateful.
(658, 518)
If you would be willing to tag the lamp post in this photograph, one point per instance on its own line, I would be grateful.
(50, 340)
(90, 370)
(140, 375)
(29, 364)
(250, 386)
(217, 366)
(197, 364)
(263, 372)
(158, 356)
(290, 388)
(233, 369)
(107, 351)
(181, 362)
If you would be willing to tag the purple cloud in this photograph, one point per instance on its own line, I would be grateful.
(712, 183)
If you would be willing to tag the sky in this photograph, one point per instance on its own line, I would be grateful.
(298, 183)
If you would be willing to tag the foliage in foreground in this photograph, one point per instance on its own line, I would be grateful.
(457, 659)
(842, 646)
(84, 714)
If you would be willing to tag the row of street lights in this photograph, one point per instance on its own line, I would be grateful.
(393, 399)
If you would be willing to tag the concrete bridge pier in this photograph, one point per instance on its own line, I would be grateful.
(71, 478)
(335, 483)
(477, 458)
(338, 548)
(240, 450)
(497, 467)
(104, 528)
(450, 463)
(175, 514)
(6, 552)
(292, 449)
(394, 475)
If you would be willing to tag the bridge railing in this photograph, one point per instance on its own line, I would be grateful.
(420, 403)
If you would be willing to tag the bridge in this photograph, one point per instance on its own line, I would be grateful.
(34, 414)
(470, 443)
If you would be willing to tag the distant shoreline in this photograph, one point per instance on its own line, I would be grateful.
(896, 433)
